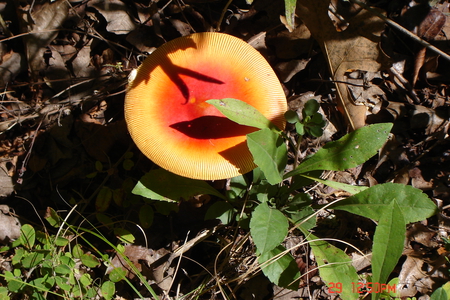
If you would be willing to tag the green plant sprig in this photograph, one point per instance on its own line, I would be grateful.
(273, 206)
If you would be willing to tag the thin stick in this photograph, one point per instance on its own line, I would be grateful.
(403, 30)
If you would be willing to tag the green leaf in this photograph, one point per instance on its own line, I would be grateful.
(108, 289)
(89, 260)
(124, 235)
(162, 185)
(4, 293)
(221, 210)
(300, 128)
(291, 117)
(441, 293)
(335, 267)
(268, 227)
(352, 189)
(146, 216)
(290, 13)
(105, 220)
(283, 271)
(67, 260)
(20, 252)
(311, 106)
(269, 153)
(128, 164)
(52, 217)
(61, 241)
(85, 280)
(242, 113)
(388, 243)
(349, 151)
(315, 131)
(238, 187)
(32, 259)
(28, 236)
(62, 283)
(98, 166)
(62, 270)
(14, 284)
(303, 214)
(44, 283)
(77, 251)
(117, 274)
(103, 199)
(372, 202)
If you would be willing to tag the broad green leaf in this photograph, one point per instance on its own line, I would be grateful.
(291, 117)
(372, 202)
(117, 274)
(20, 253)
(221, 210)
(290, 13)
(67, 260)
(311, 106)
(32, 259)
(282, 271)
(335, 267)
(303, 214)
(242, 113)
(441, 293)
(349, 151)
(4, 293)
(62, 270)
(62, 283)
(85, 280)
(28, 236)
(77, 251)
(388, 243)
(89, 260)
(43, 283)
(238, 187)
(61, 241)
(108, 289)
(269, 153)
(15, 284)
(352, 189)
(162, 185)
(268, 227)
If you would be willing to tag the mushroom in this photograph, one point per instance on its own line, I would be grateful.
(169, 120)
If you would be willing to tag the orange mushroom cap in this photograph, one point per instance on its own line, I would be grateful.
(169, 120)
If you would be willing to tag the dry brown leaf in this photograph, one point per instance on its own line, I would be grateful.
(43, 25)
(12, 64)
(409, 275)
(9, 225)
(356, 48)
(116, 14)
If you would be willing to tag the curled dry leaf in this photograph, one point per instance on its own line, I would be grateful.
(141, 257)
(43, 26)
(9, 225)
(356, 48)
(116, 14)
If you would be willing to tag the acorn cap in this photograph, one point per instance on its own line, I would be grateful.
(169, 120)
